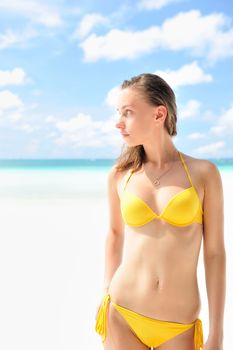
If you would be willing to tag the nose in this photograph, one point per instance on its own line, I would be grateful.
(119, 124)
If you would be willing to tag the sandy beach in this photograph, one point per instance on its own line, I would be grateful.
(52, 261)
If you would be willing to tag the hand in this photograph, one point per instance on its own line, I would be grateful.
(212, 344)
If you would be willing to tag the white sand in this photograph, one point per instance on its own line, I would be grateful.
(51, 272)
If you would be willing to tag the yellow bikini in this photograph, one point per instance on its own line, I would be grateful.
(182, 210)
(150, 331)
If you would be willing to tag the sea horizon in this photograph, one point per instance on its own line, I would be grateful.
(81, 162)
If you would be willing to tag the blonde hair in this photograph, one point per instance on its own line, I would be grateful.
(157, 92)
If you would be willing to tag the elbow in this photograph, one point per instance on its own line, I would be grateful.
(115, 236)
(220, 254)
(115, 233)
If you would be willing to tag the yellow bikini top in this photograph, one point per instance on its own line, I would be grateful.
(182, 210)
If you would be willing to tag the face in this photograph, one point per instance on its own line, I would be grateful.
(138, 120)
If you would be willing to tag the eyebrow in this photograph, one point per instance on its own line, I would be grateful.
(124, 107)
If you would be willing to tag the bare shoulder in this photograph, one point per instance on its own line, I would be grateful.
(203, 169)
(115, 177)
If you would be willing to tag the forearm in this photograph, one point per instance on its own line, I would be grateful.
(215, 274)
(113, 256)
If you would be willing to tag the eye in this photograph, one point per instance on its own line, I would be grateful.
(127, 112)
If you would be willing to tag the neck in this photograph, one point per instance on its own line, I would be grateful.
(160, 152)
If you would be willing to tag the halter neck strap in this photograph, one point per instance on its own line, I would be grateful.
(185, 167)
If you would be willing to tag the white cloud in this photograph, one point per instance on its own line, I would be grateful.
(191, 30)
(15, 115)
(25, 127)
(201, 35)
(50, 119)
(119, 44)
(224, 125)
(223, 46)
(188, 74)
(211, 149)
(83, 131)
(8, 100)
(190, 109)
(112, 96)
(12, 112)
(88, 23)
(17, 76)
(155, 4)
(75, 123)
(196, 136)
(10, 38)
(35, 10)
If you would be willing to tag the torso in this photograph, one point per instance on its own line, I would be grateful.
(158, 273)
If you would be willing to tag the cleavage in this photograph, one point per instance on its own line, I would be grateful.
(157, 198)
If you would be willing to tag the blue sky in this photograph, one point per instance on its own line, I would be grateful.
(61, 63)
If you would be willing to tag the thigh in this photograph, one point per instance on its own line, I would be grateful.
(118, 333)
(183, 341)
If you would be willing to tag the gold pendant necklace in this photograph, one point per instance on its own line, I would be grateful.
(156, 182)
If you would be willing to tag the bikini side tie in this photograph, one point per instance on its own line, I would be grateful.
(198, 335)
(101, 319)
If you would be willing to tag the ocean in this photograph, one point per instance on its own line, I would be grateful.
(64, 178)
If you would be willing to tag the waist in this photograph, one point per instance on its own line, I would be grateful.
(162, 295)
(153, 284)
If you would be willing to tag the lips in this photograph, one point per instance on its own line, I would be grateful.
(124, 134)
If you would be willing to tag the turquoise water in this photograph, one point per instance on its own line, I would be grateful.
(56, 164)
(65, 178)
(80, 164)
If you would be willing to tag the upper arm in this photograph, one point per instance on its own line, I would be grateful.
(213, 211)
(116, 223)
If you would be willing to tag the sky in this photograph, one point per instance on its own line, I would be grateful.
(62, 62)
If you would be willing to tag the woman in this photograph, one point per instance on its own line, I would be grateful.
(161, 203)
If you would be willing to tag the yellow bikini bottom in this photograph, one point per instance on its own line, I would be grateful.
(150, 331)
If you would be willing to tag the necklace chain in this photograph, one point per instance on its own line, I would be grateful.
(156, 181)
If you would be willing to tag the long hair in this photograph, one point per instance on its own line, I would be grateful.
(157, 92)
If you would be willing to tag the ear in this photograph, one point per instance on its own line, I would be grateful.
(160, 113)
